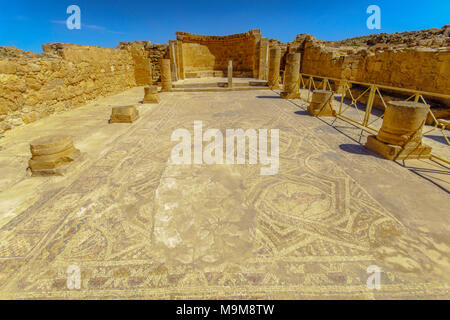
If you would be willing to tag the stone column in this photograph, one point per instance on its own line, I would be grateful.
(292, 71)
(263, 50)
(321, 103)
(166, 77)
(400, 136)
(230, 74)
(274, 68)
(51, 155)
(151, 95)
(172, 52)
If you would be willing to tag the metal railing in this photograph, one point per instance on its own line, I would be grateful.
(369, 91)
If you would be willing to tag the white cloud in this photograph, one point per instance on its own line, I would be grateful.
(89, 26)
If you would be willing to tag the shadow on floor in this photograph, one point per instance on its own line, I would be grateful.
(350, 131)
(268, 97)
(356, 149)
(432, 171)
(438, 138)
(429, 170)
(302, 113)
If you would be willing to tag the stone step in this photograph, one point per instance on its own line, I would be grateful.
(222, 84)
(218, 89)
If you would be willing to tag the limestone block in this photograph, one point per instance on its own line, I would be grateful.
(439, 113)
(263, 59)
(403, 122)
(29, 117)
(230, 74)
(166, 77)
(393, 152)
(126, 114)
(3, 109)
(292, 72)
(340, 88)
(274, 68)
(8, 67)
(400, 136)
(321, 103)
(151, 95)
(4, 126)
(51, 155)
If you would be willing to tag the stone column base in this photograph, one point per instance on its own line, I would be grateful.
(151, 95)
(126, 114)
(393, 152)
(326, 111)
(52, 155)
(290, 95)
(321, 104)
(275, 86)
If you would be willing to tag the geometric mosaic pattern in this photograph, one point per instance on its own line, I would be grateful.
(308, 232)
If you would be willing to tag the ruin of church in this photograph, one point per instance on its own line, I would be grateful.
(339, 162)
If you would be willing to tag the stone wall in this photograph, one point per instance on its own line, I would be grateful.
(210, 53)
(426, 69)
(419, 68)
(157, 52)
(415, 60)
(142, 68)
(33, 86)
(147, 58)
(320, 60)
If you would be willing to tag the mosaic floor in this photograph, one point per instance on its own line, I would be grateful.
(309, 232)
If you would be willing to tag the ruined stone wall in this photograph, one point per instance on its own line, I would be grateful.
(156, 53)
(330, 62)
(426, 69)
(33, 86)
(207, 53)
(143, 67)
(147, 58)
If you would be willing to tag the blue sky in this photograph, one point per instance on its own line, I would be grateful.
(27, 24)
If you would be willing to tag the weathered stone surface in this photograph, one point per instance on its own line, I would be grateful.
(67, 75)
(125, 114)
(197, 53)
(50, 145)
(151, 95)
(403, 122)
(146, 52)
(143, 68)
(394, 152)
(50, 155)
(274, 68)
(189, 236)
(400, 136)
(308, 232)
(230, 74)
(416, 60)
(263, 59)
(291, 88)
(61, 78)
(321, 104)
(166, 76)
